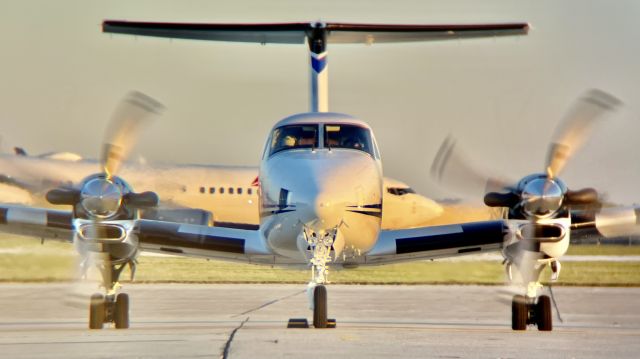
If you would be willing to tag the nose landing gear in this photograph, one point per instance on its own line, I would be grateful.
(320, 246)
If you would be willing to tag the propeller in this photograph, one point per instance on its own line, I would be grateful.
(577, 127)
(133, 114)
(538, 195)
(538, 205)
(451, 166)
(104, 205)
(103, 194)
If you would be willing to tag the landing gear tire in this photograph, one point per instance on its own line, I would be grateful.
(96, 311)
(121, 313)
(543, 314)
(519, 313)
(320, 307)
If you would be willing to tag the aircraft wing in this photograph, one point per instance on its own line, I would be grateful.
(36, 222)
(296, 33)
(437, 241)
(203, 241)
(155, 236)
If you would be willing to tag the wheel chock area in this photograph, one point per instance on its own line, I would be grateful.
(298, 323)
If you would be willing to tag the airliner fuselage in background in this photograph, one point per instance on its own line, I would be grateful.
(230, 193)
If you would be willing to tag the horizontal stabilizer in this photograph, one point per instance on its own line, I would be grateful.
(295, 33)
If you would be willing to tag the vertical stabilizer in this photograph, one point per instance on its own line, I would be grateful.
(319, 70)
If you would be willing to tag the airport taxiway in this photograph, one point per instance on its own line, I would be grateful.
(248, 321)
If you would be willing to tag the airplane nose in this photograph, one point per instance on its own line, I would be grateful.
(321, 185)
(322, 210)
(327, 211)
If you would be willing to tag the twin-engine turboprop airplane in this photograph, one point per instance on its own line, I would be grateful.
(320, 183)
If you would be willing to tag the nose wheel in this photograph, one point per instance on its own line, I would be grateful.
(320, 318)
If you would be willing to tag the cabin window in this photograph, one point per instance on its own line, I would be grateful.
(348, 136)
(221, 190)
(239, 190)
(397, 191)
(212, 190)
(249, 191)
(230, 190)
(294, 136)
(202, 189)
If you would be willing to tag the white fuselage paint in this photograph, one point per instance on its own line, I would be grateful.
(325, 188)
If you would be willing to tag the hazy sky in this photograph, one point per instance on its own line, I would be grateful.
(60, 78)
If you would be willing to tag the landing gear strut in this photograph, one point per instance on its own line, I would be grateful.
(112, 307)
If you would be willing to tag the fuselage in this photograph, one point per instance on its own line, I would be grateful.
(324, 182)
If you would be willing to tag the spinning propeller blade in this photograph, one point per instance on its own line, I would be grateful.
(576, 128)
(132, 115)
(452, 168)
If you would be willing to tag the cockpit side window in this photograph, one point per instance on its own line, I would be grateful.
(348, 136)
(294, 136)
(398, 191)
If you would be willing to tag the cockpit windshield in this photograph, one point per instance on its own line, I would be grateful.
(348, 136)
(294, 136)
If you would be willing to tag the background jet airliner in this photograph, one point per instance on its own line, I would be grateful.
(226, 195)
(320, 196)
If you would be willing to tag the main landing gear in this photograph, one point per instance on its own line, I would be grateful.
(527, 312)
(112, 307)
(109, 309)
(320, 247)
(532, 309)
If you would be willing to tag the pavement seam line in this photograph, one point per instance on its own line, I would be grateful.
(227, 345)
(268, 304)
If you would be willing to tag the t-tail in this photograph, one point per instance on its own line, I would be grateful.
(317, 35)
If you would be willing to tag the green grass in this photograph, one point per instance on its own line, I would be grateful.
(56, 262)
(604, 250)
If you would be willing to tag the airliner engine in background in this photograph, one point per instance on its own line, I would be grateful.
(321, 197)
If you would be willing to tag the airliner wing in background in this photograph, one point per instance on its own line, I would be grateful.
(437, 241)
